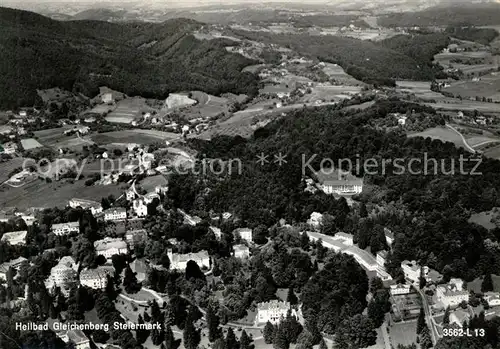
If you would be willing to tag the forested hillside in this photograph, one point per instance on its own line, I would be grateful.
(136, 58)
(428, 213)
(365, 60)
(446, 15)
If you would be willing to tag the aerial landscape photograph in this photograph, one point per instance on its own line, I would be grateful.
(236, 174)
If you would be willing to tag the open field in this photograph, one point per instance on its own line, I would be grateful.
(330, 93)
(127, 110)
(55, 194)
(336, 72)
(30, 143)
(443, 134)
(487, 87)
(55, 138)
(403, 333)
(8, 166)
(207, 106)
(134, 136)
(421, 89)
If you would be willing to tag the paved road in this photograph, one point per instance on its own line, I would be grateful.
(385, 334)
(428, 317)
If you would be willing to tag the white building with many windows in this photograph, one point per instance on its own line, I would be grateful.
(15, 237)
(108, 247)
(492, 298)
(115, 214)
(217, 232)
(96, 278)
(452, 293)
(93, 206)
(273, 311)
(65, 228)
(179, 261)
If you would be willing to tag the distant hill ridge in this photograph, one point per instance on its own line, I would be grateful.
(147, 59)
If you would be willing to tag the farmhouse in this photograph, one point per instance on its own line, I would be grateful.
(179, 261)
(93, 206)
(96, 278)
(273, 311)
(109, 247)
(15, 237)
(115, 214)
(338, 182)
(65, 228)
(244, 234)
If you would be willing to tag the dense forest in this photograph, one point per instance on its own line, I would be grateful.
(428, 213)
(446, 15)
(365, 60)
(144, 59)
(481, 35)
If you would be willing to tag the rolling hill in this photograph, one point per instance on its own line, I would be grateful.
(147, 59)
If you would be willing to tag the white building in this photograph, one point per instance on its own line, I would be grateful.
(109, 247)
(389, 237)
(115, 214)
(140, 207)
(241, 251)
(381, 258)
(65, 228)
(316, 220)
(15, 237)
(130, 194)
(96, 278)
(9, 148)
(179, 261)
(347, 239)
(452, 293)
(244, 234)
(333, 181)
(459, 316)
(93, 206)
(413, 271)
(273, 311)
(107, 98)
(134, 237)
(14, 263)
(63, 275)
(400, 289)
(492, 298)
